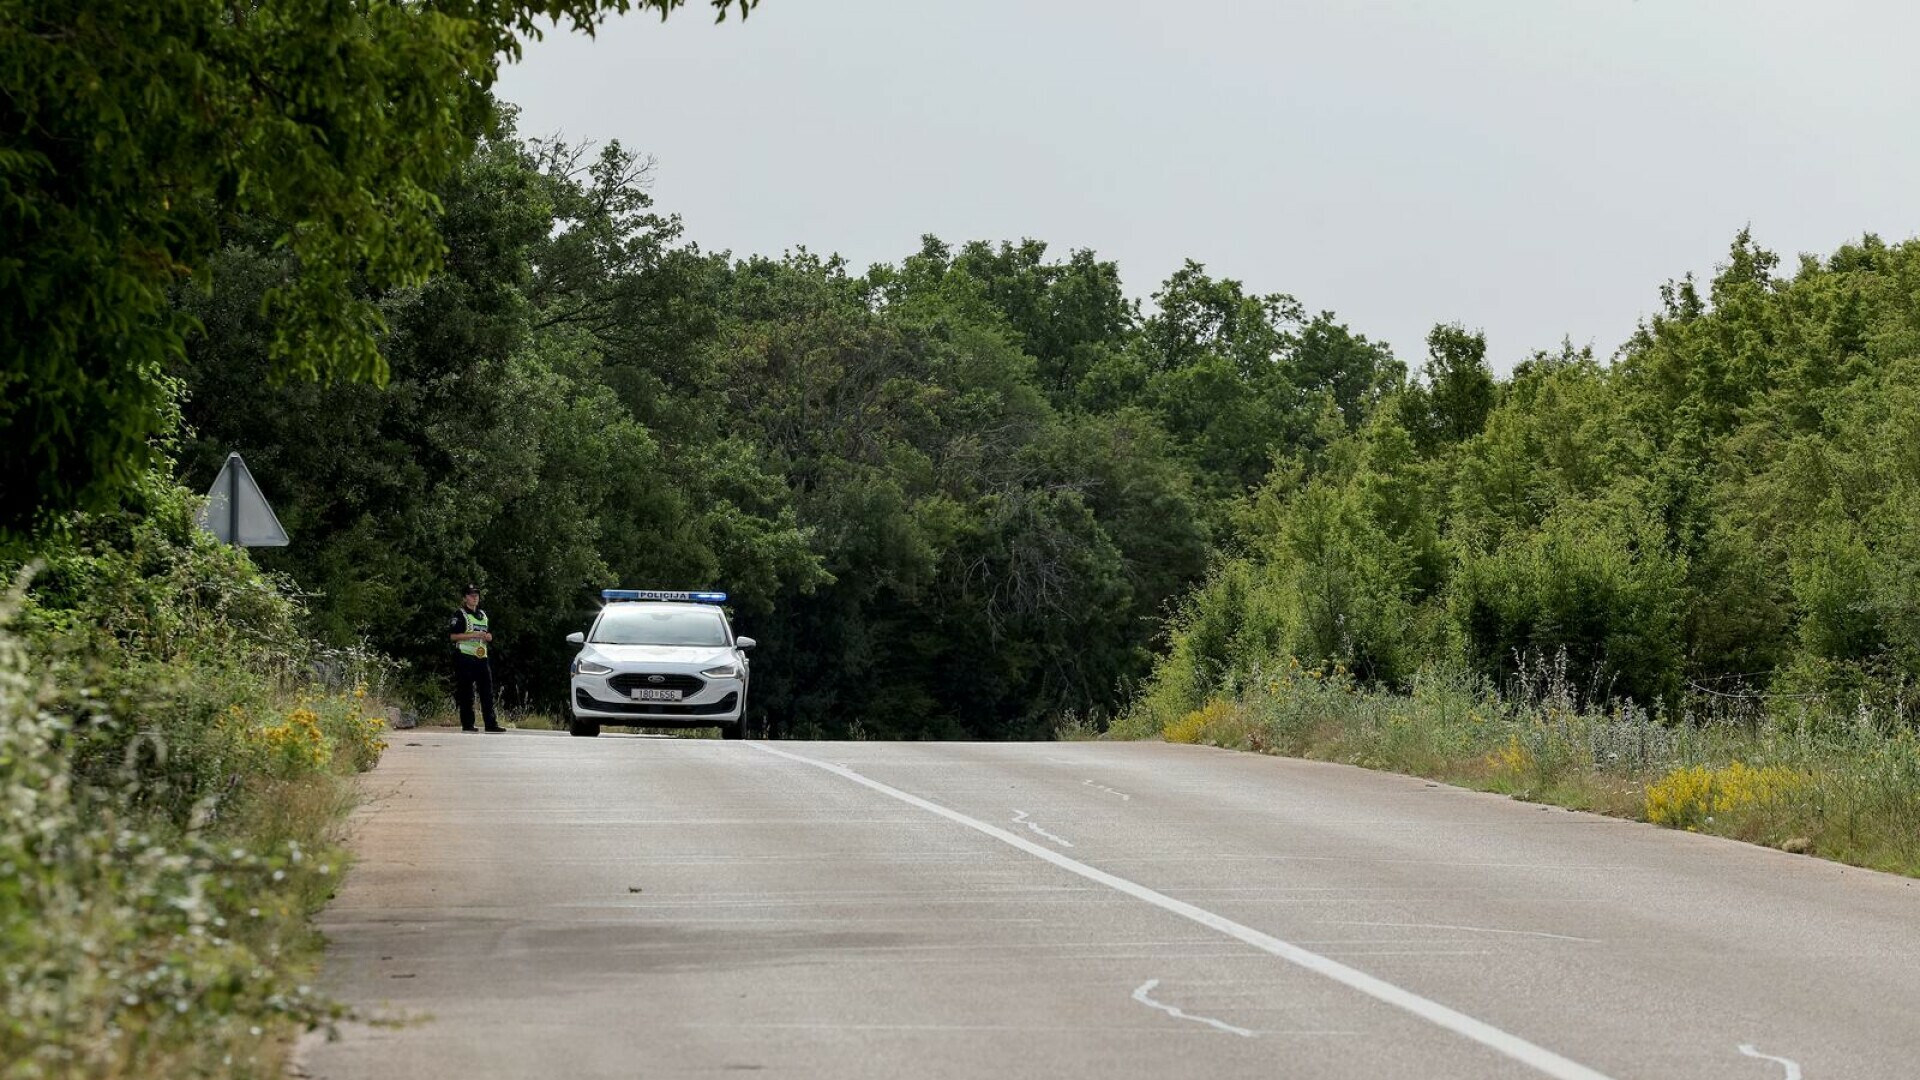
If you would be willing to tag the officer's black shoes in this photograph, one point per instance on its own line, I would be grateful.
(494, 729)
(463, 727)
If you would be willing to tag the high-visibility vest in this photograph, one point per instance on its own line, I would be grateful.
(476, 624)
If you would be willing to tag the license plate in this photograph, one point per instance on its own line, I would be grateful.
(648, 693)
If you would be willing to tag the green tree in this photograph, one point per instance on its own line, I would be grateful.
(1356, 374)
(1067, 314)
(1220, 375)
(1729, 507)
(131, 129)
(1457, 391)
(502, 449)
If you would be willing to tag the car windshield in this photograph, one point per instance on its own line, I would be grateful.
(645, 624)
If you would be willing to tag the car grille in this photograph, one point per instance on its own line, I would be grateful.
(628, 681)
(655, 708)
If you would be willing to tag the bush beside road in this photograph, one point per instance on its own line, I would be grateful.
(174, 764)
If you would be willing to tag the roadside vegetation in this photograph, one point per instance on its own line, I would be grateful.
(178, 726)
(1844, 785)
(970, 491)
(958, 495)
(1683, 586)
(174, 755)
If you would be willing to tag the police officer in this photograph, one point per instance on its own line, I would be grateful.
(468, 632)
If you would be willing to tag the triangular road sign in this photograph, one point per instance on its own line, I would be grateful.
(236, 512)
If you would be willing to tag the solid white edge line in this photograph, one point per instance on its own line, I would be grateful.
(1534, 1056)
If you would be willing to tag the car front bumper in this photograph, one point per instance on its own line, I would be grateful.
(718, 702)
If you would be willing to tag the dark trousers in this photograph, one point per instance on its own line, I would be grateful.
(469, 673)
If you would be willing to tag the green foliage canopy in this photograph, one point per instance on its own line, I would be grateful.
(131, 130)
(1726, 514)
(931, 520)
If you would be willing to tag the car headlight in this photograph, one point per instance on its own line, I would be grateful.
(588, 667)
(724, 671)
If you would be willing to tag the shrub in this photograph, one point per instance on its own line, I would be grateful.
(1218, 723)
(1689, 797)
(1600, 582)
(169, 782)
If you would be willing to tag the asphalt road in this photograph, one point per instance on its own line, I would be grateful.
(539, 906)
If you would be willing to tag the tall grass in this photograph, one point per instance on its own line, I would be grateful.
(174, 759)
(1793, 774)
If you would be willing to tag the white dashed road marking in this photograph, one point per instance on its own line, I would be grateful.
(1539, 1058)
(1146, 988)
(1020, 818)
(1792, 1067)
(1102, 787)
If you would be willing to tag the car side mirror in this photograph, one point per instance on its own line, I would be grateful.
(744, 642)
(576, 638)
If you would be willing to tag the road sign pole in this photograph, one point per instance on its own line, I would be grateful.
(233, 500)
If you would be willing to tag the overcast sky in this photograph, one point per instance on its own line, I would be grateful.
(1533, 168)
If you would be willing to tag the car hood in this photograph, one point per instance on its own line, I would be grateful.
(663, 654)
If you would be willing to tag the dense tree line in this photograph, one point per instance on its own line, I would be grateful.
(1727, 515)
(953, 496)
(958, 494)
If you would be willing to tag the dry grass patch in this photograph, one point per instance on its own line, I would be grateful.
(1846, 790)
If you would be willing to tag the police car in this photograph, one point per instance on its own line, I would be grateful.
(659, 659)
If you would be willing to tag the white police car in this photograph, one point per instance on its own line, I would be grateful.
(660, 659)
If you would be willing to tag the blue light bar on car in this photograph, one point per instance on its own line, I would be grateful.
(612, 595)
